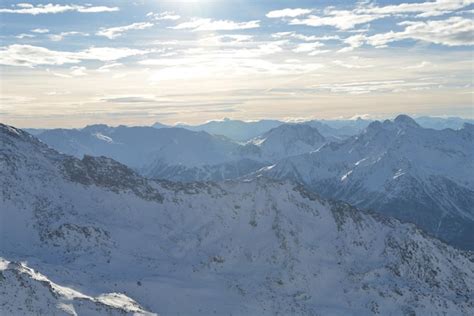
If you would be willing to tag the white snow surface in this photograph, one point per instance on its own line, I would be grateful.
(258, 247)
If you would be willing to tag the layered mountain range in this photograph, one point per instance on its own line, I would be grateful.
(331, 129)
(92, 236)
(419, 175)
(180, 154)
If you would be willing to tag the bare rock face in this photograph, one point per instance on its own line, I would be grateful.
(107, 173)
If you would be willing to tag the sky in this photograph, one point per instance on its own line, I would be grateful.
(69, 64)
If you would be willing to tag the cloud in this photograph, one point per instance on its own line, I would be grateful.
(365, 13)
(24, 35)
(107, 67)
(118, 31)
(304, 37)
(57, 93)
(225, 40)
(422, 64)
(167, 15)
(454, 31)
(31, 56)
(319, 52)
(199, 24)
(13, 99)
(78, 71)
(352, 66)
(60, 36)
(57, 74)
(382, 86)
(130, 99)
(341, 19)
(307, 47)
(425, 9)
(353, 41)
(291, 13)
(26, 8)
(110, 53)
(40, 31)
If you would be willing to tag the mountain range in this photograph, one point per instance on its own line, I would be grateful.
(181, 154)
(419, 175)
(333, 129)
(92, 236)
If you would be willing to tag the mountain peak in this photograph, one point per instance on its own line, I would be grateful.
(159, 125)
(96, 128)
(10, 130)
(405, 120)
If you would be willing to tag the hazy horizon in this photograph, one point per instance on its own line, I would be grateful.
(223, 119)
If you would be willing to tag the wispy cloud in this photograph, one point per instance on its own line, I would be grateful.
(109, 67)
(31, 56)
(200, 24)
(78, 71)
(114, 32)
(287, 13)
(420, 65)
(353, 41)
(382, 86)
(62, 35)
(341, 19)
(167, 15)
(349, 65)
(424, 9)
(307, 47)
(454, 31)
(367, 12)
(40, 31)
(25, 35)
(27, 8)
(303, 37)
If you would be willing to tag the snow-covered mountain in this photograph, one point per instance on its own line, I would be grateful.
(257, 247)
(235, 129)
(284, 141)
(443, 122)
(25, 291)
(419, 175)
(182, 155)
(337, 130)
(139, 147)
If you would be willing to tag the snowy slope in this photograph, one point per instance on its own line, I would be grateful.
(182, 155)
(284, 141)
(25, 291)
(259, 247)
(165, 153)
(419, 175)
(138, 147)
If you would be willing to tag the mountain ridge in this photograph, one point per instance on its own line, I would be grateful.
(248, 247)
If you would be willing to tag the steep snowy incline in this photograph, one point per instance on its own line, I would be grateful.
(259, 247)
(419, 175)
